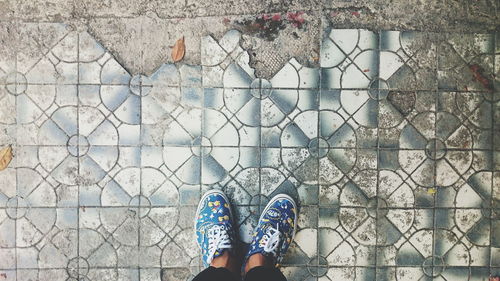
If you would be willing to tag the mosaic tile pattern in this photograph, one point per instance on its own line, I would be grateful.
(390, 147)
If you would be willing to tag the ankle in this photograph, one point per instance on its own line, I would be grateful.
(221, 261)
(226, 260)
(257, 260)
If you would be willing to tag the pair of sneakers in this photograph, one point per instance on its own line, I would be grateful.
(272, 236)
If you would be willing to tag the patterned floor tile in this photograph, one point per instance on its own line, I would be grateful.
(466, 62)
(390, 148)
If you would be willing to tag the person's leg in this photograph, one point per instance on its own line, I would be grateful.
(263, 273)
(216, 237)
(272, 237)
(212, 273)
(222, 268)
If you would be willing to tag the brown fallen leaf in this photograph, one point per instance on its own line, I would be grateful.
(5, 157)
(178, 50)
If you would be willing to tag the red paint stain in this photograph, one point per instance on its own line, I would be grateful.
(275, 17)
(355, 13)
(479, 75)
(296, 19)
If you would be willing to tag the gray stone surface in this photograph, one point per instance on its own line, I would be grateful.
(126, 26)
(380, 118)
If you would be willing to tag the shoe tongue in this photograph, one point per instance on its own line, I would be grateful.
(220, 251)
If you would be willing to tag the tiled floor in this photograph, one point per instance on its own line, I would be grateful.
(391, 147)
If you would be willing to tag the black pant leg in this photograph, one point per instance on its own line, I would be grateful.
(261, 273)
(215, 274)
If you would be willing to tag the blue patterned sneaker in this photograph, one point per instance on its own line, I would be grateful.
(213, 225)
(276, 229)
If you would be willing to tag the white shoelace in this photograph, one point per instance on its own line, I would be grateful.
(218, 238)
(270, 240)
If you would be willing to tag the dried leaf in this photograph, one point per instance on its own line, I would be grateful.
(178, 50)
(431, 190)
(5, 157)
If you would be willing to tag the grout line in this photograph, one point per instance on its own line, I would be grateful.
(379, 36)
(318, 103)
(284, 265)
(273, 147)
(446, 90)
(255, 205)
(493, 131)
(78, 153)
(202, 134)
(140, 165)
(436, 109)
(16, 141)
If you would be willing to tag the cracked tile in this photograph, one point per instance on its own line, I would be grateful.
(389, 147)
